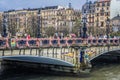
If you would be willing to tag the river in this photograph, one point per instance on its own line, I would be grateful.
(106, 72)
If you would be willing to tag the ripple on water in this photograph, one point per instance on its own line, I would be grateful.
(109, 72)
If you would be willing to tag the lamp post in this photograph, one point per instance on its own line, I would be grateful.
(84, 36)
(80, 32)
(5, 26)
(39, 26)
(84, 19)
(107, 32)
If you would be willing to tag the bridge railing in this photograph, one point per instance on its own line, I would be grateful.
(33, 43)
(47, 42)
(21, 43)
(4, 43)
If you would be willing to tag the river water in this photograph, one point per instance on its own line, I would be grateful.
(106, 72)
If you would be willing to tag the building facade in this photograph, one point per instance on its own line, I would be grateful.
(26, 21)
(102, 13)
(19, 21)
(97, 14)
(59, 17)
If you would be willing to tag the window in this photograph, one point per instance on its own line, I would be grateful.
(102, 14)
(103, 4)
(108, 4)
(97, 14)
(98, 4)
(107, 8)
(107, 14)
(102, 10)
(97, 9)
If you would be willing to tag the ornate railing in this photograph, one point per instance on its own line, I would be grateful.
(6, 43)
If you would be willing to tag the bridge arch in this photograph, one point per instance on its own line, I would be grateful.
(112, 56)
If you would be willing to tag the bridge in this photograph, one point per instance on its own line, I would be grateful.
(70, 54)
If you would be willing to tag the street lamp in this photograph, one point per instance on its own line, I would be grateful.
(5, 26)
(108, 31)
(80, 32)
(39, 26)
(84, 20)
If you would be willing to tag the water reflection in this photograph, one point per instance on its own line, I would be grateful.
(104, 72)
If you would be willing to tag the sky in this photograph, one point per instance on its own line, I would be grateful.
(20, 4)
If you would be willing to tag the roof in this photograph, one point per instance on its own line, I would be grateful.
(100, 1)
(116, 17)
(103, 0)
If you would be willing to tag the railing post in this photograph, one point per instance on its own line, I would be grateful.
(36, 51)
(99, 50)
(39, 51)
(20, 52)
(47, 52)
(53, 53)
(24, 52)
(30, 51)
(61, 52)
(64, 51)
(3, 53)
(42, 52)
(104, 48)
(56, 53)
(11, 51)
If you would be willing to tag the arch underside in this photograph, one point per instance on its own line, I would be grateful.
(38, 60)
(106, 58)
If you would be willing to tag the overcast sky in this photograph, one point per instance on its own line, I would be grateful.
(20, 4)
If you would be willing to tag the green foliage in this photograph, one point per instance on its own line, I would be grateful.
(49, 31)
(115, 34)
(77, 27)
(64, 30)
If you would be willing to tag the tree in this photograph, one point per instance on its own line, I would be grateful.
(115, 34)
(12, 26)
(32, 26)
(65, 31)
(77, 27)
(49, 31)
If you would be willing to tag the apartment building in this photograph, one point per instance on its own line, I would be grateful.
(26, 20)
(20, 21)
(102, 12)
(59, 17)
(97, 14)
